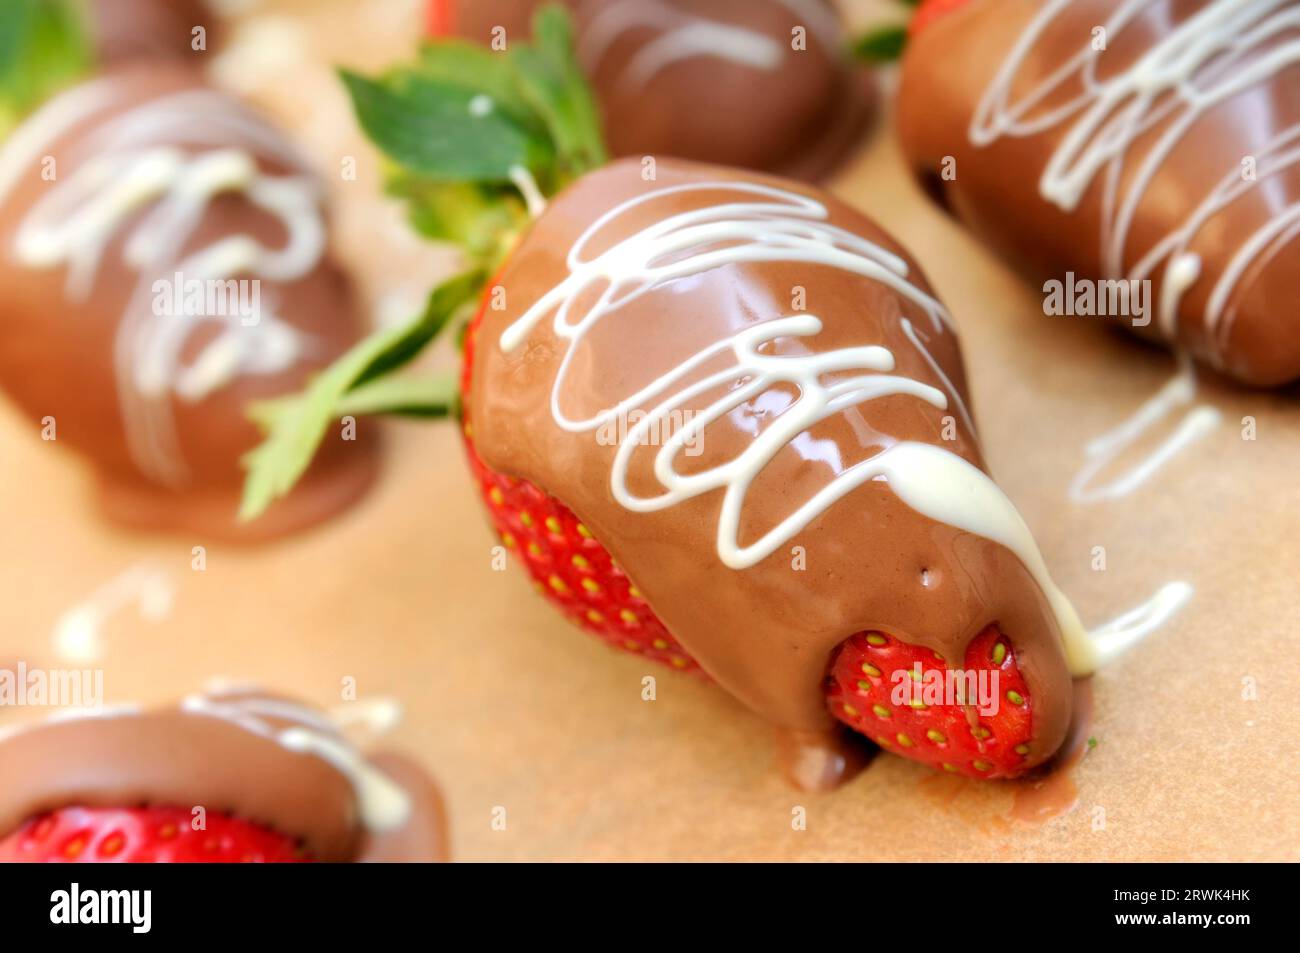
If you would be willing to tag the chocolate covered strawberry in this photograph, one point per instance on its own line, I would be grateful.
(231, 775)
(722, 420)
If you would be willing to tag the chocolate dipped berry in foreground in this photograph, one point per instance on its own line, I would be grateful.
(763, 84)
(723, 420)
(163, 264)
(226, 776)
(1152, 140)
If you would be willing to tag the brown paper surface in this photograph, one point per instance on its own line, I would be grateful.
(509, 706)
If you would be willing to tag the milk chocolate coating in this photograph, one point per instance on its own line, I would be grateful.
(950, 65)
(125, 30)
(798, 119)
(170, 757)
(765, 633)
(57, 353)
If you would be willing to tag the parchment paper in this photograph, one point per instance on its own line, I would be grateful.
(510, 707)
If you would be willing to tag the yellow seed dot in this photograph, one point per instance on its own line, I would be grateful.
(526, 518)
(875, 638)
(999, 653)
(883, 742)
(557, 584)
(914, 675)
(903, 740)
(553, 524)
(469, 429)
(584, 532)
(979, 731)
(594, 616)
(591, 585)
(1022, 749)
(1015, 697)
(112, 845)
(75, 847)
(679, 662)
(918, 704)
(495, 496)
(938, 737)
(850, 711)
(864, 686)
(660, 644)
(580, 562)
(634, 592)
(631, 645)
(509, 540)
(982, 766)
(167, 832)
(534, 549)
(949, 767)
(870, 669)
(881, 711)
(628, 616)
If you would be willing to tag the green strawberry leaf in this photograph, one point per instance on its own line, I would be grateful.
(882, 45)
(44, 46)
(296, 425)
(443, 131)
(460, 127)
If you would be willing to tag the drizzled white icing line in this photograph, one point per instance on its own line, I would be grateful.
(1200, 421)
(75, 221)
(383, 805)
(767, 224)
(1226, 48)
(1126, 630)
(684, 36)
(377, 716)
(527, 186)
(78, 633)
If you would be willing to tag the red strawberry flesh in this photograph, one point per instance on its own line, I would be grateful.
(148, 835)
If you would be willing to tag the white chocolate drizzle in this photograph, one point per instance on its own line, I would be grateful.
(1102, 451)
(766, 224)
(78, 633)
(382, 804)
(1217, 53)
(166, 191)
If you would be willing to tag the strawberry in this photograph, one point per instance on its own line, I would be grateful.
(439, 18)
(144, 835)
(956, 738)
(568, 566)
(576, 573)
(929, 11)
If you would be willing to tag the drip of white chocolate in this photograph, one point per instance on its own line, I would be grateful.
(166, 190)
(1102, 451)
(1222, 50)
(382, 803)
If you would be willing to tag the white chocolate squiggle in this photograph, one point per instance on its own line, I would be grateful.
(684, 35)
(383, 804)
(766, 224)
(167, 190)
(1221, 51)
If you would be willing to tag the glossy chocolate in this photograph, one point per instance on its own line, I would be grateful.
(710, 80)
(869, 561)
(225, 752)
(158, 401)
(1008, 183)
